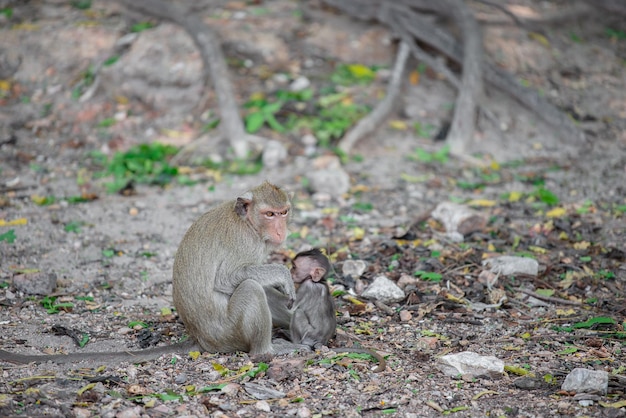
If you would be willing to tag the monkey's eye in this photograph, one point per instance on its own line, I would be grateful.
(284, 213)
(269, 214)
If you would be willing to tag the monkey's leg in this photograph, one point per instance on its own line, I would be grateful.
(251, 317)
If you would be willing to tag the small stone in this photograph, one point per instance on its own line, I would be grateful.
(406, 280)
(507, 265)
(470, 363)
(82, 413)
(582, 380)
(300, 84)
(262, 406)
(303, 412)
(134, 412)
(354, 268)
(405, 316)
(180, 379)
(384, 290)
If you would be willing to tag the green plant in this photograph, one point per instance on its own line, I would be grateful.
(144, 163)
(8, 237)
(350, 74)
(442, 155)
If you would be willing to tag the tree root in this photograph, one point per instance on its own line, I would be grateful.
(215, 68)
(406, 18)
(372, 121)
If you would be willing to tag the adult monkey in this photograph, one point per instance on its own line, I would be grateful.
(219, 273)
(218, 281)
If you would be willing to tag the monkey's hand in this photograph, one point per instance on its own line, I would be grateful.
(270, 275)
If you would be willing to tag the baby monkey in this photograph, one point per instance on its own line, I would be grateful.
(312, 320)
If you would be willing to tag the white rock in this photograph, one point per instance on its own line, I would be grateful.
(354, 268)
(262, 406)
(508, 264)
(470, 363)
(582, 380)
(299, 84)
(384, 290)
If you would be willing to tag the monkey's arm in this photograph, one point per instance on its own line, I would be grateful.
(267, 275)
(140, 356)
(279, 307)
(382, 363)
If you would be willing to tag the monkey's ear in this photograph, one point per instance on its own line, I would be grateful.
(242, 204)
(318, 274)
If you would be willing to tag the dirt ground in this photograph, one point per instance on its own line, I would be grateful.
(114, 264)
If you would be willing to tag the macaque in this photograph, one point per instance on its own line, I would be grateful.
(219, 276)
(314, 321)
(218, 281)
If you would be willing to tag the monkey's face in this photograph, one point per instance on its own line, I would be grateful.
(274, 224)
(306, 268)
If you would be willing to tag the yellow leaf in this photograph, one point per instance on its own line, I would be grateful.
(360, 188)
(123, 100)
(539, 38)
(618, 404)
(149, 403)
(38, 200)
(413, 179)
(483, 393)
(352, 300)
(583, 245)
(563, 236)
(194, 355)
(515, 196)
(361, 71)
(491, 247)
(567, 282)
(455, 299)
(414, 77)
(398, 125)
(482, 203)
(218, 368)
(556, 213)
(520, 371)
(25, 26)
(494, 165)
(358, 234)
(525, 336)
(259, 95)
(537, 249)
(14, 222)
(565, 312)
(5, 85)
(165, 311)
(304, 231)
(347, 101)
(190, 388)
(86, 388)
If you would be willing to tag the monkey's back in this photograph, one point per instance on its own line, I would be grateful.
(314, 321)
(214, 248)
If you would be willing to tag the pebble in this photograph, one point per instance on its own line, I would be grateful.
(353, 268)
(470, 363)
(384, 290)
(262, 406)
(134, 412)
(405, 316)
(582, 380)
